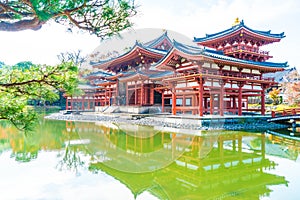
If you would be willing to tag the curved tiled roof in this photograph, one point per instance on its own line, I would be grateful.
(137, 44)
(188, 49)
(156, 41)
(197, 51)
(99, 74)
(236, 28)
(228, 58)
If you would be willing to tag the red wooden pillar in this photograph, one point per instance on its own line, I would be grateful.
(82, 103)
(67, 103)
(263, 109)
(221, 100)
(173, 100)
(88, 103)
(126, 101)
(151, 95)
(240, 102)
(163, 101)
(183, 101)
(146, 96)
(142, 93)
(211, 102)
(105, 94)
(108, 95)
(71, 103)
(200, 82)
(240, 85)
(117, 93)
(221, 95)
(135, 94)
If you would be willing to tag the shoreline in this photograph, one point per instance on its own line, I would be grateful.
(247, 123)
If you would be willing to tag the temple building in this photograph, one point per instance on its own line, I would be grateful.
(217, 75)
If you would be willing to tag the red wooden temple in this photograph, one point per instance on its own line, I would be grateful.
(216, 76)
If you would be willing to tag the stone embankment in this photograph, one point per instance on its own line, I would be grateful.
(225, 123)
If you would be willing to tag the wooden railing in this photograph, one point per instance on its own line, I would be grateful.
(286, 112)
(218, 73)
(245, 48)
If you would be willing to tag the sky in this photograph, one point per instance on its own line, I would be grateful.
(192, 18)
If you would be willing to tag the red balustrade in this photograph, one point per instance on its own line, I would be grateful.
(286, 112)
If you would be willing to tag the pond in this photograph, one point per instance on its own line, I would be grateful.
(102, 160)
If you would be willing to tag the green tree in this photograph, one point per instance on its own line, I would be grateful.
(24, 81)
(274, 95)
(100, 17)
(37, 82)
(23, 65)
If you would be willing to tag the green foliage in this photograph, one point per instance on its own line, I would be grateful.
(39, 82)
(274, 95)
(100, 17)
(23, 65)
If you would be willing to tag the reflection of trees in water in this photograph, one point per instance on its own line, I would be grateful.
(71, 160)
(25, 156)
(24, 147)
(71, 157)
(47, 135)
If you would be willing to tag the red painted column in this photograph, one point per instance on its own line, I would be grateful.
(71, 102)
(126, 95)
(146, 92)
(67, 103)
(221, 100)
(240, 102)
(105, 94)
(142, 93)
(240, 85)
(200, 96)
(211, 100)
(109, 95)
(82, 102)
(173, 100)
(117, 93)
(135, 94)
(163, 101)
(88, 103)
(151, 95)
(263, 109)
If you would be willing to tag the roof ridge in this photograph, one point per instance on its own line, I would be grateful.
(236, 28)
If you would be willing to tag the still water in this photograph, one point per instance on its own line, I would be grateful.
(80, 160)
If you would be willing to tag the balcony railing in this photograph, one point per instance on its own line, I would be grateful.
(242, 48)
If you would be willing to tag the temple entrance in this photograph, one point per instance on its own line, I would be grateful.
(121, 100)
(157, 97)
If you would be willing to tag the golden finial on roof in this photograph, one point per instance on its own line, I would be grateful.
(236, 22)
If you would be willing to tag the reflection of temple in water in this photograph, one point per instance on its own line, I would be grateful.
(283, 144)
(208, 166)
